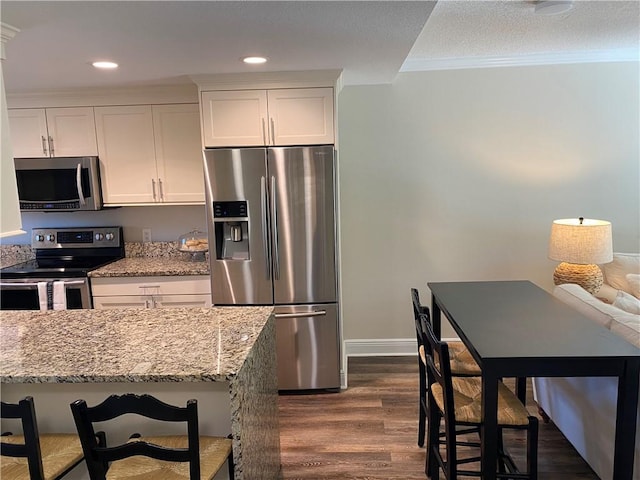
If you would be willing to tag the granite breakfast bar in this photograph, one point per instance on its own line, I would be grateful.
(222, 356)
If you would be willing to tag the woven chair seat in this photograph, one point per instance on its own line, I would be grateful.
(59, 452)
(467, 399)
(462, 363)
(213, 453)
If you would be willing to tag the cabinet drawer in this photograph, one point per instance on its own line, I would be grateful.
(193, 284)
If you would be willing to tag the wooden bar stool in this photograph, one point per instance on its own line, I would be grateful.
(32, 455)
(170, 457)
(458, 400)
(461, 361)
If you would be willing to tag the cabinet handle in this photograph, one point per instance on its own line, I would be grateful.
(149, 286)
(153, 187)
(273, 132)
(160, 189)
(44, 146)
(264, 133)
(51, 151)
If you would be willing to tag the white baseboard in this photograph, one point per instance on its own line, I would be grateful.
(374, 347)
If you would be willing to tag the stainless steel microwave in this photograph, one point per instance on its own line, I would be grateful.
(58, 184)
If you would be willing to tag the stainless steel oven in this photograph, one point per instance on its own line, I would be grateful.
(58, 277)
(26, 294)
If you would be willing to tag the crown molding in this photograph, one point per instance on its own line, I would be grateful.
(82, 97)
(266, 80)
(549, 58)
(7, 32)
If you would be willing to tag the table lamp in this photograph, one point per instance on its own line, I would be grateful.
(580, 244)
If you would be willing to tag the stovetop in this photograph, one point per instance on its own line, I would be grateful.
(68, 252)
(36, 269)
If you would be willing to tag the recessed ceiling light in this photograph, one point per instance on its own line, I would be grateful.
(105, 65)
(254, 60)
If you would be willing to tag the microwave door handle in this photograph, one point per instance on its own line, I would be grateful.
(79, 184)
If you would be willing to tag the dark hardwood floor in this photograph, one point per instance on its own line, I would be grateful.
(369, 431)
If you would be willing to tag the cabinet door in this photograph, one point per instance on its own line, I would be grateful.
(301, 116)
(122, 301)
(72, 132)
(178, 153)
(234, 118)
(181, 301)
(127, 154)
(28, 130)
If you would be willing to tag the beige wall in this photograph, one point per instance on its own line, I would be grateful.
(457, 175)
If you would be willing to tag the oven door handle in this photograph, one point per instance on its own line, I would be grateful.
(79, 184)
(35, 284)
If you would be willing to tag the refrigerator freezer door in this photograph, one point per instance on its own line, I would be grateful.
(301, 184)
(239, 175)
(307, 347)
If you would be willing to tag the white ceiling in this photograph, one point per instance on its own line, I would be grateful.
(165, 42)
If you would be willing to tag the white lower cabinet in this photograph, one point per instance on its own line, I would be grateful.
(151, 292)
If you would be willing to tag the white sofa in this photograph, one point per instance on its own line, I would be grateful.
(584, 408)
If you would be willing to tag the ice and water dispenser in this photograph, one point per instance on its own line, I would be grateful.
(231, 226)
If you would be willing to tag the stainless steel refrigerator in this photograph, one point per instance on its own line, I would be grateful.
(271, 227)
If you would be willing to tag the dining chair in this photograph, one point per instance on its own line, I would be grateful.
(462, 363)
(461, 360)
(169, 457)
(458, 401)
(33, 455)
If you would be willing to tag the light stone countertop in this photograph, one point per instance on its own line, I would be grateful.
(151, 266)
(148, 345)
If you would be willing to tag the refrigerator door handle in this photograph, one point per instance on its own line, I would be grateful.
(315, 313)
(265, 233)
(274, 229)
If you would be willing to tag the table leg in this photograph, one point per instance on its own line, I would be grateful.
(521, 389)
(628, 384)
(436, 321)
(490, 423)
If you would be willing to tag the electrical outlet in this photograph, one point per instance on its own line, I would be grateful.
(146, 235)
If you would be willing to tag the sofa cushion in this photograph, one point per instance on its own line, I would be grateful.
(628, 328)
(615, 273)
(626, 302)
(633, 280)
(577, 297)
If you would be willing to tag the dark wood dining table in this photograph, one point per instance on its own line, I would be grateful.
(517, 329)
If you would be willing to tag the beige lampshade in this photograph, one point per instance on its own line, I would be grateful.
(581, 240)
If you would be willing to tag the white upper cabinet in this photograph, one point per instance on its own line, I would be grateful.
(179, 153)
(53, 132)
(127, 154)
(278, 117)
(234, 118)
(301, 116)
(150, 155)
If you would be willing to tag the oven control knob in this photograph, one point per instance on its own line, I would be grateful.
(39, 238)
(51, 237)
(109, 236)
(99, 236)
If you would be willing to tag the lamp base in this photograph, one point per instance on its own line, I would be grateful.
(588, 277)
